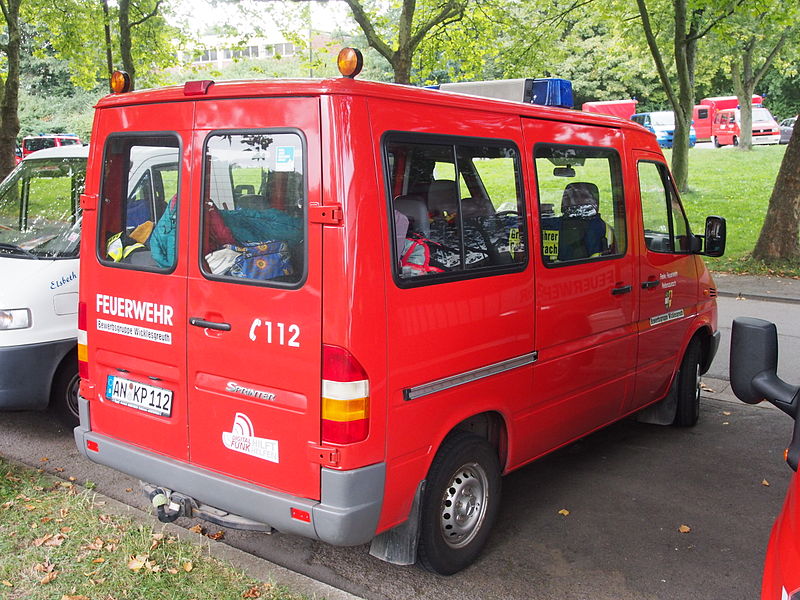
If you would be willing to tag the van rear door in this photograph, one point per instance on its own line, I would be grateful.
(254, 293)
(137, 311)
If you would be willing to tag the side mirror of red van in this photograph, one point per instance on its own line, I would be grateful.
(716, 231)
(754, 373)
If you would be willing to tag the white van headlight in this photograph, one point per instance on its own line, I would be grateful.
(17, 318)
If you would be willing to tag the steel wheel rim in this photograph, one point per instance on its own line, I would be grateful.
(464, 505)
(71, 399)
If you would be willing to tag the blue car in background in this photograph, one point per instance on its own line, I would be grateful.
(662, 124)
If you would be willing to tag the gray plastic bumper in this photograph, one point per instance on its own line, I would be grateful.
(347, 515)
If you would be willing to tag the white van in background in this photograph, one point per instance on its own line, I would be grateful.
(39, 245)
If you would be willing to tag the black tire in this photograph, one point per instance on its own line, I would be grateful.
(687, 387)
(715, 139)
(735, 141)
(465, 479)
(64, 394)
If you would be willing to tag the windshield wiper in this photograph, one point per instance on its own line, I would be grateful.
(14, 249)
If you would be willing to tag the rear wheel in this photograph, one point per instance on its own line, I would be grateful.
(735, 141)
(687, 387)
(462, 495)
(64, 395)
(715, 139)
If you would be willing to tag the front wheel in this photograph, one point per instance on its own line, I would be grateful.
(462, 496)
(715, 139)
(64, 395)
(687, 387)
(735, 141)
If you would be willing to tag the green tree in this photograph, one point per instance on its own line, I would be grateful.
(9, 85)
(680, 24)
(407, 24)
(751, 41)
(779, 235)
(143, 43)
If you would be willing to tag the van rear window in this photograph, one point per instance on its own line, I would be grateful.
(139, 206)
(254, 201)
(457, 207)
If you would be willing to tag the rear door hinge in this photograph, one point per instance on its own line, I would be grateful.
(323, 455)
(88, 201)
(329, 214)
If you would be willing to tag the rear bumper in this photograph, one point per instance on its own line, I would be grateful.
(26, 373)
(347, 514)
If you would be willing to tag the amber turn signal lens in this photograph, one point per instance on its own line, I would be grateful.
(350, 62)
(120, 82)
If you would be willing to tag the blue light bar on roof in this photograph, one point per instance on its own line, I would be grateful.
(550, 91)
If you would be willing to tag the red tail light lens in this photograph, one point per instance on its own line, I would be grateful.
(345, 397)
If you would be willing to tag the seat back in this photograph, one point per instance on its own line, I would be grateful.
(413, 207)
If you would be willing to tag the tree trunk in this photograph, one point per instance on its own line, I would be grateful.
(125, 41)
(779, 235)
(744, 85)
(9, 120)
(107, 31)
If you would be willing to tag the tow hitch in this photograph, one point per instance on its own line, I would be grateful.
(170, 505)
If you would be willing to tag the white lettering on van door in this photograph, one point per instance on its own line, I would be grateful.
(276, 333)
(242, 439)
(127, 308)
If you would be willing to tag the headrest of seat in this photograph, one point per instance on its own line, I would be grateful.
(578, 194)
(413, 207)
(443, 196)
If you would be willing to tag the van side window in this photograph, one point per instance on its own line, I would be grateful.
(581, 205)
(254, 198)
(665, 226)
(457, 206)
(139, 202)
(702, 113)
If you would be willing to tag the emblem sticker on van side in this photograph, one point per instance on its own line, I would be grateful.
(242, 439)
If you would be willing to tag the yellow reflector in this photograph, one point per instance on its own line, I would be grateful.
(344, 410)
(120, 82)
(83, 353)
(350, 62)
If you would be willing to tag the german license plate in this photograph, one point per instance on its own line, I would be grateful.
(145, 397)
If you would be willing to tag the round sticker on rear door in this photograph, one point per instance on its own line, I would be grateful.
(241, 438)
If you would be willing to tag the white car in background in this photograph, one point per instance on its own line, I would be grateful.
(39, 245)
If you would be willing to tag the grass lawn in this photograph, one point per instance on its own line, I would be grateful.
(58, 542)
(735, 185)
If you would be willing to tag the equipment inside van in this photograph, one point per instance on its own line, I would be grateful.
(359, 304)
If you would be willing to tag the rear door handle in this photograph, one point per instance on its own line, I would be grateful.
(209, 324)
(625, 289)
(650, 283)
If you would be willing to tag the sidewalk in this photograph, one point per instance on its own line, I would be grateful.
(758, 287)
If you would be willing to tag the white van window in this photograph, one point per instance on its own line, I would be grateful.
(39, 207)
(254, 199)
(139, 202)
(457, 207)
(666, 229)
(581, 205)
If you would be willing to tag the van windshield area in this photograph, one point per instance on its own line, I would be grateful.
(761, 115)
(39, 209)
(663, 118)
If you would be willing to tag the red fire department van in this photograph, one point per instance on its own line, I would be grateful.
(366, 302)
(703, 113)
(754, 378)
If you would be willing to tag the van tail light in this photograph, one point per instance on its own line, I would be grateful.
(83, 351)
(345, 397)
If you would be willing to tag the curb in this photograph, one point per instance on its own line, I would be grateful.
(764, 297)
(255, 567)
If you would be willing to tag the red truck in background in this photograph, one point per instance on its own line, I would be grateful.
(618, 108)
(703, 113)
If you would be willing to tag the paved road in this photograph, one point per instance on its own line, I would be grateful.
(628, 489)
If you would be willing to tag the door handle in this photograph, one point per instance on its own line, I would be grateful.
(209, 324)
(650, 283)
(617, 291)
